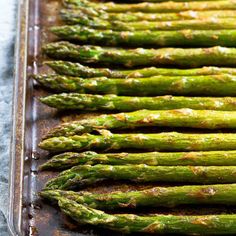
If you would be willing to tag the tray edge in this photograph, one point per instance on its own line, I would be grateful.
(14, 220)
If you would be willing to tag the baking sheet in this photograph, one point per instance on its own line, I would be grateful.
(28, 215)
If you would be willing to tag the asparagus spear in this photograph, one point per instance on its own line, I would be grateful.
(213, 158)
(76, 69)
(73, 16)
(160, 224)
(122, 103)
(200, 38)
(153, 7)
(84, 175)
(135, 1)
(204, 119)
(222, 194)
(213, 85)
(196, 24)
(191, 57)
(166, 141)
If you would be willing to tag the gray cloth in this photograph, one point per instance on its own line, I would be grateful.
(7, 29)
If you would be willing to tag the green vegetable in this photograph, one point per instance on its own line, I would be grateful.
(190, 57)
(196, 24)
(73, 16)
(122, 103)
(213, 158)
(222, 194)
(135, 1)
(156, 224)
(204, 119)
(213, 85)
(200, 38)
(166, 141)
(76, 69)
(123, 1)
(84, 175)
(153, 7)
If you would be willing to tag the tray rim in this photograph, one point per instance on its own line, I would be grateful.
(15, 201)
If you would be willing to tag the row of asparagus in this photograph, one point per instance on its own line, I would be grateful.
(75, 16)
(161, 166)
(194, 158)
(221, 194)
(78, 70)
(66, 2)
(74, 135)
(199, 24)
(148, 7)
(155, 224)
(111, 102)
(84, 175)
(165, 141)
(179, 57)
(80, 206)
(200, 119)
(97, 23)
(204, 119)
(97, 54)
(223, 85)
(146, 167)
(147, 37)
(208, 158)
(213, 85)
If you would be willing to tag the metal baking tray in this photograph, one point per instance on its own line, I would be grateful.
(28, 215)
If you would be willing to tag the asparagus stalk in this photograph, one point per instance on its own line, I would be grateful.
(153, 7)
(159, 224)
(84, 175)
(164, 1)
(76, 69)
(72, 16)
(121, 103)
(191, 57)
(203, 119)
(200, 38)
(213, 85)
(213, 158)
(222, 194)
(196, 24)
(166, 141)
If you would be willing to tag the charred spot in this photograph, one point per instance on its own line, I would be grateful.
(215, 37)
(190, 156)
(129, 63)
(204, 221)
(135, 74)
(130, 204)
(184, 111)
(203, 193)
(110, 54)
(153, 228)
(155, 191)
(197, 170)
(187, 34)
